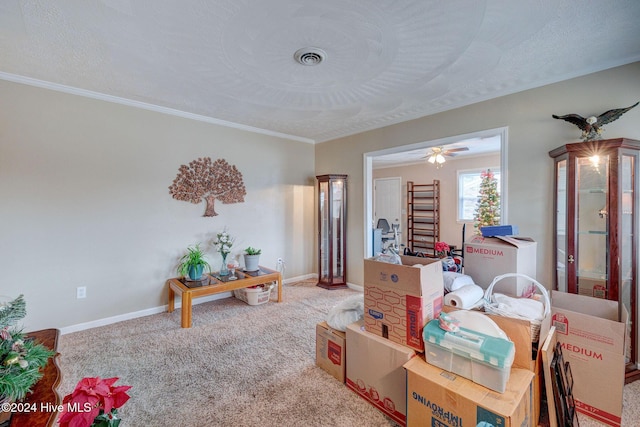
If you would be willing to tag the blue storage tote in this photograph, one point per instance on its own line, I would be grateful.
(482, 358)
(499, 230)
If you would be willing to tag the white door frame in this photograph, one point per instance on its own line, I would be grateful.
(368, 175)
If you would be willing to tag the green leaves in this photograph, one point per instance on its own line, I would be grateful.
(253, 251)
(194, 257)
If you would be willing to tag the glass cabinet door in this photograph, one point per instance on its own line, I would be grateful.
(323, 204)
(628, 235)
(592, 236)
(332, 263)
(562, 257)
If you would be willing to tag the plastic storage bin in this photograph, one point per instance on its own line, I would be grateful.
(482, 358)
(499, 230)
(254, 296)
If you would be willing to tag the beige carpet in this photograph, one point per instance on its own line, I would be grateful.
(239, 365)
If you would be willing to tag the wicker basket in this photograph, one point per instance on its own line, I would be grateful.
(491, 306)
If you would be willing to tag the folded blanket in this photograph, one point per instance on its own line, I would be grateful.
(527, 308)
(346, 312)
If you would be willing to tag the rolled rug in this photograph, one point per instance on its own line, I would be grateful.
(465, 297)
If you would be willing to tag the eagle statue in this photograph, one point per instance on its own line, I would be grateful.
(592, 126)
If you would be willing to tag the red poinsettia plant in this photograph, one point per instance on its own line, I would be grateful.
(442, 249)
(94, 403)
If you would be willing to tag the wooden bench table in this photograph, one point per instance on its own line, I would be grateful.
(187, 290)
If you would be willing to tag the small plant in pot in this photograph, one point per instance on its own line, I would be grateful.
(193, 263)
(251, 258)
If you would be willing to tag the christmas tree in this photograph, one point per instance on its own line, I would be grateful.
(488, 207)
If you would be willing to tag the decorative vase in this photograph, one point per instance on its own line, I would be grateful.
(224, 270)
(195, 272)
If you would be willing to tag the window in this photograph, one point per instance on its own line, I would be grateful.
(468, 190)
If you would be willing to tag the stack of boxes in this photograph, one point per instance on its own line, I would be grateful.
(382, 358)
(385, 355)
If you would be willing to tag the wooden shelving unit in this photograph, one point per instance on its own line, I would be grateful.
(423, 216)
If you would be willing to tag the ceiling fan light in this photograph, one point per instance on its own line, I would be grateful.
(431, 159)
(440, 158)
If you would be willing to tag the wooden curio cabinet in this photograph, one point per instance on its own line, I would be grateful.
(332, 237)
(596, 225)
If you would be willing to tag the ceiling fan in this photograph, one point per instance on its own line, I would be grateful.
(438, 154)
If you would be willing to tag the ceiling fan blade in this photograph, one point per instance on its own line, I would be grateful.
(454, 150)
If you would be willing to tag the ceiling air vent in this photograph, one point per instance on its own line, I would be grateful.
(310, 56)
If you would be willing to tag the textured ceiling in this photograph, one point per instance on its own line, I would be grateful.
(231, 61)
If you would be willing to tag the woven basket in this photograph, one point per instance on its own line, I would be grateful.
(491, 306)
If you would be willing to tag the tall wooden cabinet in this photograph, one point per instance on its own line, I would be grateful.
(423, 216)
(332, 233)
(596, 224)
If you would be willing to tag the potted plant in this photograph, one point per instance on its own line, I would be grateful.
(21, 359)
(251, 258)
(94, 403)
(193, 263)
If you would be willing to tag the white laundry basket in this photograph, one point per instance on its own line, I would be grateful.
(254, 296)
(492, 307)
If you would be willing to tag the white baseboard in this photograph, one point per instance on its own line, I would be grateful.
(355, 287)
(160, 309)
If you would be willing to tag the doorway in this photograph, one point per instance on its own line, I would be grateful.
(414, 153)
(387, 197)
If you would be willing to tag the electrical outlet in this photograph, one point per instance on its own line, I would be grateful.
(81, 292)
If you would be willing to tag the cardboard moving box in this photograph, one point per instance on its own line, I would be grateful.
(436, 397)
(593, 342)
(488, 257)
(375, 372)
(399, 300)
(331, 350)
(519, 331)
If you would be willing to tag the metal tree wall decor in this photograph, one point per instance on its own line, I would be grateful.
(208, 180)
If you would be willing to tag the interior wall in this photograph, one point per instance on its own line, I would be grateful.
(85, 202)
(425, 173)
(532, 133)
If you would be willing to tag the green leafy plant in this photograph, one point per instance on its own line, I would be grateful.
(253, 251)
(21, 358)
(193, 258)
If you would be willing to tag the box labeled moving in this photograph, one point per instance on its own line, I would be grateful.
(331, 350)
(375, 371)
(488, 257)
(436, 397)
(593, 342)
(399, 300)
